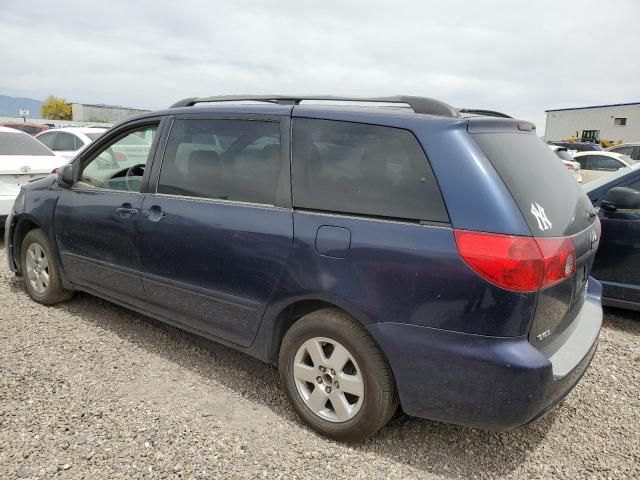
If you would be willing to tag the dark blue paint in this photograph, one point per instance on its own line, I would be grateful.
(211, 264)
(400, 272)
(98, 245)
(461, 349)
(489, 382)
(617, 263)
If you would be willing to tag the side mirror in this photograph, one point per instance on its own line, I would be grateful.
(621, 198)
(66, 175)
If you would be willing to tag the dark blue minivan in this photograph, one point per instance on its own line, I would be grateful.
(393, 251)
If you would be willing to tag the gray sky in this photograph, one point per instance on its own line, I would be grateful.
(513, 56)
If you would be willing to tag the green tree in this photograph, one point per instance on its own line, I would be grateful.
(56, 108)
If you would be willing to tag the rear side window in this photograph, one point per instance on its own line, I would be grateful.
(21, 144)
(363, 169)
(79, 143)
(64, 142)
(623, 150)
(585, 162)
(222, 159)
(607, 164)
(47, 138)
(550, 199)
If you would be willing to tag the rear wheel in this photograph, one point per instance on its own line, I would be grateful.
(40, 270)
(336, 377)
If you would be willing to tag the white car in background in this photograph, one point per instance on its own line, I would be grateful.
(568, 161)
(68, 141)
(22, 159)
(596, 164)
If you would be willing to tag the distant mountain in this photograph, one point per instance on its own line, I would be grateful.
(10, 106)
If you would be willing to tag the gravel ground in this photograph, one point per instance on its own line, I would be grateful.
(91, 390)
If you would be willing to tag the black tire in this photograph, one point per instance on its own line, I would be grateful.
(54, 291)
(380, 400)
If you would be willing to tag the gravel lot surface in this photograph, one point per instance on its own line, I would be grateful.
(91, 390)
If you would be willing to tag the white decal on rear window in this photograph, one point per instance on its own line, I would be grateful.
(538, 212)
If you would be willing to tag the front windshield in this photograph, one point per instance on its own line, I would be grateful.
(599, 182)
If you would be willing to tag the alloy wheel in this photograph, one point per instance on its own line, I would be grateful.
(328, 379)
(37, 268)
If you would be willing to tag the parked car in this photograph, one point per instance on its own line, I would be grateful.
(630, 149)
(567, 161)
(30, 128)
(598, 164)
(22, 159)
(68, 141)
(342, 244)
(578, 146)
(617, 263)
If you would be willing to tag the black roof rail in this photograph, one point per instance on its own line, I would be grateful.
(488, 113)
(424, 105)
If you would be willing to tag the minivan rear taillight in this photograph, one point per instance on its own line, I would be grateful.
(522, 264)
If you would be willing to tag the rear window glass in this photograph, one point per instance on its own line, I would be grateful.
(363, 169)
(21, 144)
(550, 199)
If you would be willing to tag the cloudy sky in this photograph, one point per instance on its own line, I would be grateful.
(516, 57)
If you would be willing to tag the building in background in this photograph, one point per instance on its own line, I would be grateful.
(87, 113)
(617, 122)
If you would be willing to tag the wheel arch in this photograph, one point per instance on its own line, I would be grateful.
(280, 318)
(23, 225)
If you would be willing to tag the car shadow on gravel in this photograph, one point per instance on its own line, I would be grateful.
(437, 448)
(627, 321)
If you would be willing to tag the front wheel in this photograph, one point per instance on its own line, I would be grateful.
(336, 377)
(40, 270)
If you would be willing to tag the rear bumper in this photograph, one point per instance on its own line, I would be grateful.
(494, 383)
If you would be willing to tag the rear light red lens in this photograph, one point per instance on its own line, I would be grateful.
(55, 170)
(522, 264)
(559, 257)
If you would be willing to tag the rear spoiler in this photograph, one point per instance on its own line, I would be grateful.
(486, 113)
(498, 124)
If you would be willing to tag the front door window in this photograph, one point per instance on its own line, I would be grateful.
(121, 164)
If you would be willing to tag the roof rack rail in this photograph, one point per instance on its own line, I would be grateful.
(424, 105)
(488, 113)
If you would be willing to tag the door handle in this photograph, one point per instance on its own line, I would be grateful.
(126, 211)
